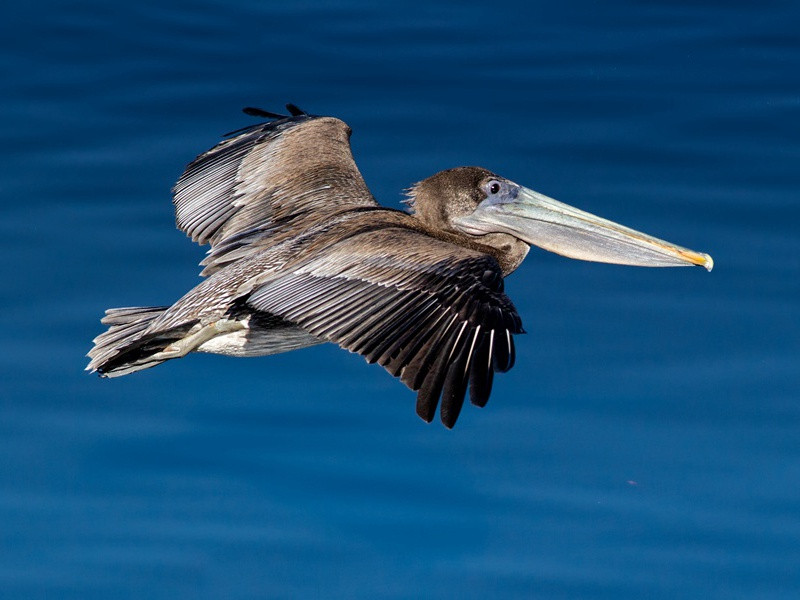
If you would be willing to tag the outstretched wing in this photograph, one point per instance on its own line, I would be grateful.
(431, 313)
(296, 169)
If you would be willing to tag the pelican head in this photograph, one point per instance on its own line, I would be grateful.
(496, 212)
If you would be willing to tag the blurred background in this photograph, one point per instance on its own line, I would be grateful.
(647, 442)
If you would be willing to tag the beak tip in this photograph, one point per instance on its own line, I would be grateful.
(708, 263)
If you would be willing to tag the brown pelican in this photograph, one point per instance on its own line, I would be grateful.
(302, 254)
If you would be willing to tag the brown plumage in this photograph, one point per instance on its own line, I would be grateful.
(296, 235)
(302, 254)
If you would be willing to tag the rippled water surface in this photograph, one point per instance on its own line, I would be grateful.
(647, 443)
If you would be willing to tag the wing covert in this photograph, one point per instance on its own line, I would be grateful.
(295, 168)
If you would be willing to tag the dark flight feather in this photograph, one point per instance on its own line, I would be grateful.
(419, 307)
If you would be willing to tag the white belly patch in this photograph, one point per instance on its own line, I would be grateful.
(259, 341)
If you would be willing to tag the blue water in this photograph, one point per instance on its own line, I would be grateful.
(647, 443)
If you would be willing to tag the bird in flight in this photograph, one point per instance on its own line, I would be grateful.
(302, 254)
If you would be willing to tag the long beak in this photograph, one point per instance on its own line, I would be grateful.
(541, 221)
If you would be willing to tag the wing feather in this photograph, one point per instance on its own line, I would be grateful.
(481, 374)
(423, 309)
(297, 169)
(431, 389)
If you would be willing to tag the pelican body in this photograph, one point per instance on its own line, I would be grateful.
(301, 254)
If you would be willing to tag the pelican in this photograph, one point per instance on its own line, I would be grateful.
(301, 254)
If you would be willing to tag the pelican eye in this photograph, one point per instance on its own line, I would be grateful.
(494, 187)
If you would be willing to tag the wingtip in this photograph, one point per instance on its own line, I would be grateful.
(260, 112)
(424, 411)
(295, 111)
